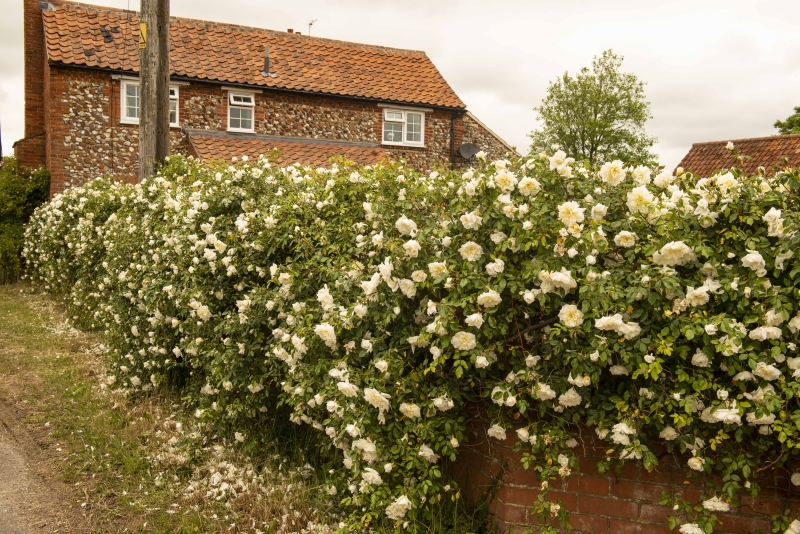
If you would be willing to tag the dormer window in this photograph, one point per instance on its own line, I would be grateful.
(403, 127)
(241, 108)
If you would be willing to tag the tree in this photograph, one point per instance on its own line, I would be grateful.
(791, 125)
(597, 115)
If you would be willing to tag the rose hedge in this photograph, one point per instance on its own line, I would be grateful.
(378, 304)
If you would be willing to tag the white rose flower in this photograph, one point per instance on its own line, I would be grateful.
(347, 389)
(443, 403)
(495, 267)
(599, 211)
(570, 315)
(505, 180)
(471, 221)
(408, 288)
(714, 504)
(640, 199)
(763, 333)
(406, 226)
(523, 434)
(618, 370)
(545, 392)
(326, 332)
(674, 253)
(795, 479)
(475, 320)
(641, 175)
(570, 213)
(570, 398)
(497, 432)
(481, 362)
(360, 310)
(427, 453)
(664, 179)
(625, 239)
(471, 251)
(463, 341)
(613, 173)
(767, 372)
(419, 276)
(668, 433)
(691, 528)
(377, 399)
(489, 299)
(412, 248)
(411, 410)
(754, 261)
(398, 509)
(529, 186)
(437, 268)
(381, 365)
(696, 297)
(696, 463)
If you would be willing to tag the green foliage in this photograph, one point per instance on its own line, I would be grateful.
(379, 307)
(21, 191)
(597, 116)
(791, 125)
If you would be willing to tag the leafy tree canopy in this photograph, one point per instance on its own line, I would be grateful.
(791, 125)
(597, 115)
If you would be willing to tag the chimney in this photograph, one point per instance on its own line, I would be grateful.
(290, 30)
(31, 151)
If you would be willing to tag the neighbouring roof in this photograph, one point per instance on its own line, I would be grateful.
(209, 144)
(705, 158)
(94, 36)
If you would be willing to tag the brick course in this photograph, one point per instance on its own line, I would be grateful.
(621, 501)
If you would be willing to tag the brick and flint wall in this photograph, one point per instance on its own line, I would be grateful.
(623, 501)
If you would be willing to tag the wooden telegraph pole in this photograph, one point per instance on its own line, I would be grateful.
(153, 86)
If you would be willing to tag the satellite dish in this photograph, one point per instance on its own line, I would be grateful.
(468, 150)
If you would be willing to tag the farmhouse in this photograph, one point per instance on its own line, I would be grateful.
(767, 152)
(234, 91)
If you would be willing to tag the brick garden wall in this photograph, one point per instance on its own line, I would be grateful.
(624, 502)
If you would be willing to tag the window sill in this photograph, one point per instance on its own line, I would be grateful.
(129, 122)
(238, 130)
(402, 145)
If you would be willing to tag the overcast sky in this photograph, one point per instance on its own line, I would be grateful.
(715, 70)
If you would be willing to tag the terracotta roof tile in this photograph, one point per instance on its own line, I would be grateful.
(209, 145)
(235, 54)
(705, 158)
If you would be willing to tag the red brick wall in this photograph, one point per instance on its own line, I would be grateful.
(624, 502)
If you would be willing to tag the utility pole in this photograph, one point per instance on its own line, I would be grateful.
(153, 86)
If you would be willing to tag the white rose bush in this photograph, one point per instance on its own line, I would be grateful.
(383, 308)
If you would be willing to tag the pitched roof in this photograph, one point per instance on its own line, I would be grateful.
(705, 158)
(93, 36)
(208, 144)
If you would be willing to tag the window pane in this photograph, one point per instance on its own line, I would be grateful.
(234, 121)
(132, 101)
(394, 115)
(247, 119)
(173, 111)
(414, 128)
(173, 93)
(392, 132)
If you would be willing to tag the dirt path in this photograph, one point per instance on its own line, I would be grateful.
(31, 500)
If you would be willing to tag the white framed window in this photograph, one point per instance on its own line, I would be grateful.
(241, 111)
(174, 108)
(129, 112)
(130, 103)
(403, 127)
